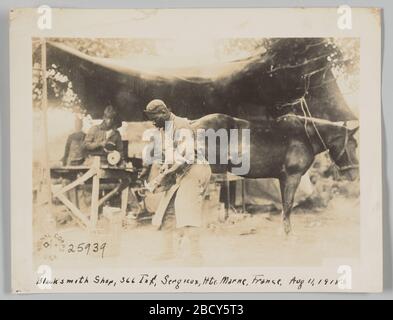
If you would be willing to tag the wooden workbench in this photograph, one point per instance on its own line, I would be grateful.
(98, 174)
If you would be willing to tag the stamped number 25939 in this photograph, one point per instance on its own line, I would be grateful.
(87, 248)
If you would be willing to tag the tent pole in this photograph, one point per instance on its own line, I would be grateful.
(44, 109)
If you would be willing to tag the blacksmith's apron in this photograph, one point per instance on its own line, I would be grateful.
(189, 190)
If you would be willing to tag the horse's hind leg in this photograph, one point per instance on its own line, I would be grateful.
(288, 186)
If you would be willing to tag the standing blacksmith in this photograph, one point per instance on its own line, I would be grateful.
(104, 137)
(185, 183)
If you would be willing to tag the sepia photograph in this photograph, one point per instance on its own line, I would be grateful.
(201, 162)
(297, 99)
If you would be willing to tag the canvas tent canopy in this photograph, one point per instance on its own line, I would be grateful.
(260, 86)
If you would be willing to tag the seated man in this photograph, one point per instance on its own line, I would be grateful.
(74, 156)
(74, 153)
(104, 138)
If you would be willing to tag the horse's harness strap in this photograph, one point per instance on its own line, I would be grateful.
(308, 117)
(344, 149)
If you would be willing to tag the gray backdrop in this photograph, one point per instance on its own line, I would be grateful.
(387, 132)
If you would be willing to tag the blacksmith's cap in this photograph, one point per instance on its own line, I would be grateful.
(156, 106)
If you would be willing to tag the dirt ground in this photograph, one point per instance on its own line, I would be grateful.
(243, 240)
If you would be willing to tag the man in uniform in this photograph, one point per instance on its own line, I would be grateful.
(185, 182)
(74, 153)
(104, 137)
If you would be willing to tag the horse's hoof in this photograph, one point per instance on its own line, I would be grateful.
(287, 228)
(292, 237)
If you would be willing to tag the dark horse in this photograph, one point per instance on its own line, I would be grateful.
(285, 149)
